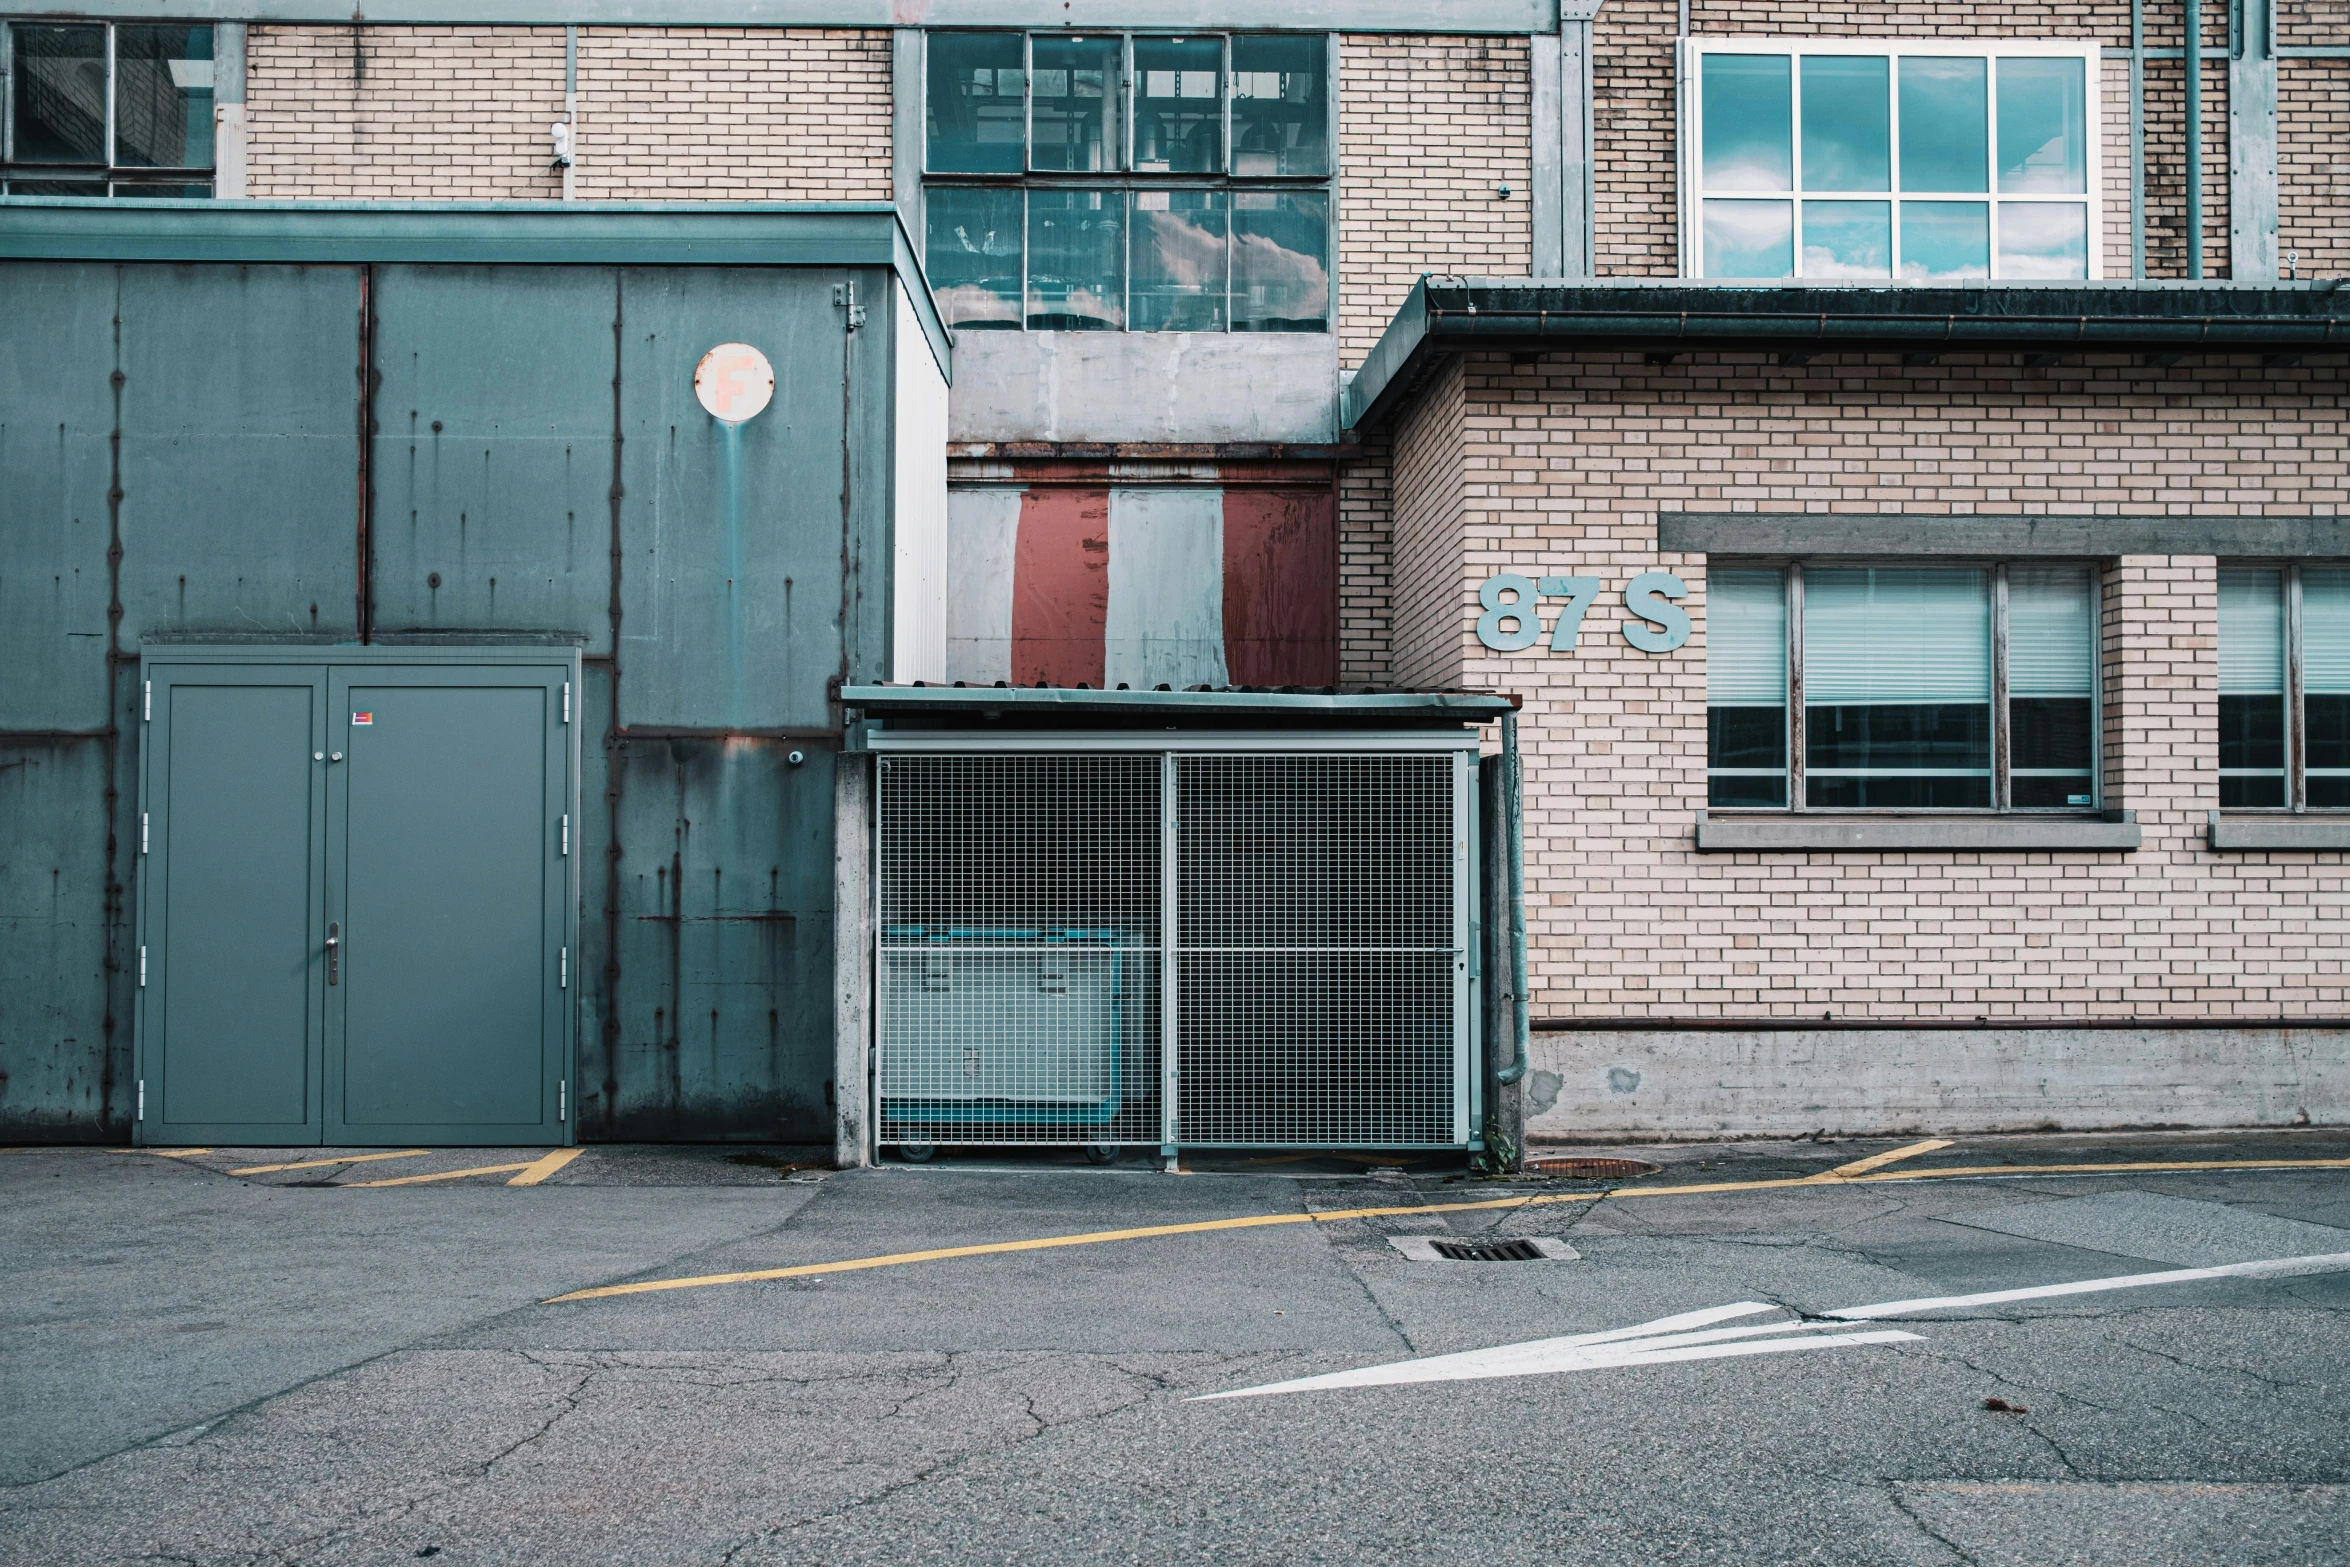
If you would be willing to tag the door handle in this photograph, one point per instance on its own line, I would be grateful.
(334, 948)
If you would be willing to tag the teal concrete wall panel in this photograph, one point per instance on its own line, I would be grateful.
(493, 450)
(56, 409)
(732, 567)
(724, 996)
(239, 450)
(57, 1074)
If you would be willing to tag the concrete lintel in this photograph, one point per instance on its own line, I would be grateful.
(1117, 387)
(1823, 832)
(1847, 533)
(2319, 833)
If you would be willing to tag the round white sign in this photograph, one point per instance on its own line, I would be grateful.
(734, 381)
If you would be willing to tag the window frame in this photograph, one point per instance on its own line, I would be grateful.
(2296, 726)
(1128, 181)
(1796, 771)
(112, 179)
(1689, 65)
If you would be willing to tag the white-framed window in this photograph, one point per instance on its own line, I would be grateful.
(1914, 160)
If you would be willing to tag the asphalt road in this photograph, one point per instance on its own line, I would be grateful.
(198, 1366)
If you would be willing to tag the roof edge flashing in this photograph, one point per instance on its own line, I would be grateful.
(1446, 314)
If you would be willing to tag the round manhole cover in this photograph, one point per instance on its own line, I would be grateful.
(1592, 1169)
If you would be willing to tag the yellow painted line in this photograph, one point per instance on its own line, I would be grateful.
(1845, 1172)
(164, 1153)
(532, 1174)
(317, 1164)
(2149, 1168)
(443, 1175)
(1335, 1215)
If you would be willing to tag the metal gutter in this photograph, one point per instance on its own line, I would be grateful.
(1451, 314)
(1032, 702)
(516, 233)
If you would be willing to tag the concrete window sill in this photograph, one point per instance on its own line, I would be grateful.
(1815, 831)
(2280, 830)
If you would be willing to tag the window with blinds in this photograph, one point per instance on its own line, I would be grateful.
(1900, 673)
(1746, 687)
(2284, 687)
(2251, 687)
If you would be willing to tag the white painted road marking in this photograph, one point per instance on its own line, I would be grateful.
(1691, 1336)
(2275, 1268)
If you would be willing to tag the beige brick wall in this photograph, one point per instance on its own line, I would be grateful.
(1634, 110)
(2313, 164)
(734, 114)
(462, 113)
(403, 113)
(1565, 467)
(1430, 470)
(1366, 549)
(1428, 129)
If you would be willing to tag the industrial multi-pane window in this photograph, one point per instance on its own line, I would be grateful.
(2284, 687)
(1129, 182)
(1921, 161)
(94, 109)
(1860, 687)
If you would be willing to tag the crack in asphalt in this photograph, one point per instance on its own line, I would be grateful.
(1901, 1505)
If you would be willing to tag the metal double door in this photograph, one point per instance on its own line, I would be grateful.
(356, 897)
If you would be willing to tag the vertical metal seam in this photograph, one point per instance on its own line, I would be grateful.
(1798, 739)
(612, 743)
(2296, 719)
(2002, 736)
(114, 924)
(365, 607)
(1170, 940)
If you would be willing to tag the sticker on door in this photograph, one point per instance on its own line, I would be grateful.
(363, 718)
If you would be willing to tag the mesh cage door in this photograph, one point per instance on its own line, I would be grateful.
(1018, 958)
(1320, 955)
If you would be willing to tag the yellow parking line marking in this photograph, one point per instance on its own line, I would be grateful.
(1845, 1172)
(443, 1175)
(1330, 1216)
(164, 1153)
(532, 1174)
(316, 1164)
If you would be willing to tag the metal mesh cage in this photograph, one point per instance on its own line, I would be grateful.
(1318, 953)
(1019, 956)
(1320, 985)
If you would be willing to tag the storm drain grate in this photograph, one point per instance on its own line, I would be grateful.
(1593, 1169)
(1488, 1251)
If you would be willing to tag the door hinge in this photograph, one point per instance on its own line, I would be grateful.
(567, 701)
(563, 970)
(566, 832)
(141, 1113)
(142, 967)
(142, 832)
(562, 1099)
(147, 702)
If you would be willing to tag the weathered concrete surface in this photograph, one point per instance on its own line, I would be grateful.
(1145, 386)
(207, 1368)
(1856, 1082)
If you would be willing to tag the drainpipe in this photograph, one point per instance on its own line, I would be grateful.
(566, 133)
(1514, 829)
(2194, 62)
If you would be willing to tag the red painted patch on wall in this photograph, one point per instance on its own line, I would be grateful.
(1281, 587)
(1061, 587)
